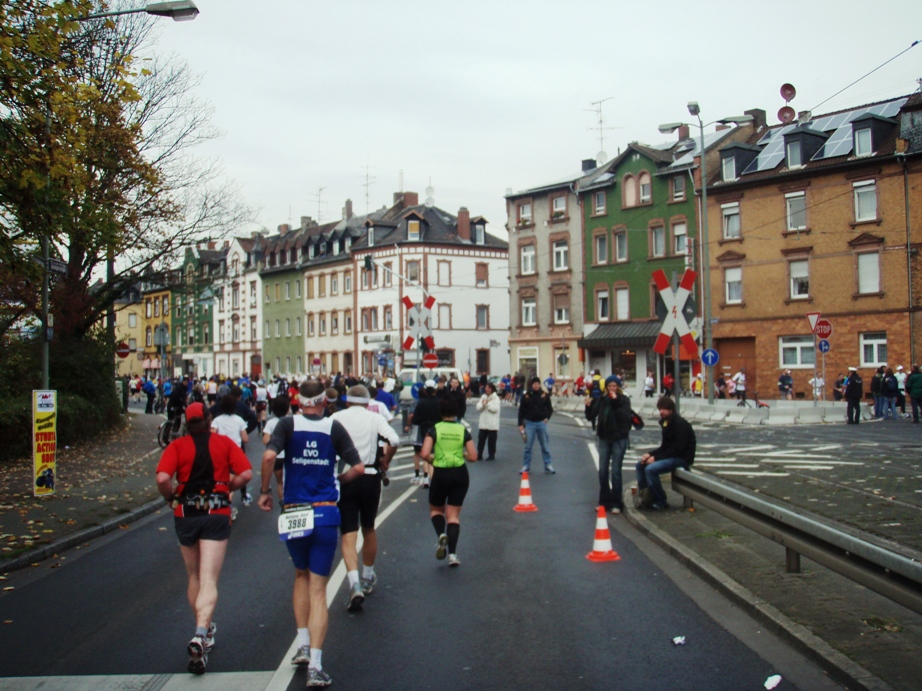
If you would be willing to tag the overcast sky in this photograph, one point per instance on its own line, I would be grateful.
(481, 96)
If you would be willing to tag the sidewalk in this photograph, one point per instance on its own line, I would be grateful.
(862, 639)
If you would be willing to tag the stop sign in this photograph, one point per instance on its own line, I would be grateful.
(122, 350)
(823, 328)
(430, 360)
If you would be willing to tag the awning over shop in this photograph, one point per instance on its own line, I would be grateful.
(623, 335)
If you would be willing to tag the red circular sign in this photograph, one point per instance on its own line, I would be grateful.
(430, 360)
(823, 328)
(122, 350)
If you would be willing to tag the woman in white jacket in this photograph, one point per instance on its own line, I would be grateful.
(488, 406)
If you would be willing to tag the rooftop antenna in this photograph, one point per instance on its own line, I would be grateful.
(318, 196)
(430, 201)
(369, 181)
(786, 113)
(400, 184)
(601, 157)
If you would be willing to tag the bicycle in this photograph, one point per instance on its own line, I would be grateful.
(170, 430)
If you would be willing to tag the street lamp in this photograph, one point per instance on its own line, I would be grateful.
(180, 11)
(695, 111)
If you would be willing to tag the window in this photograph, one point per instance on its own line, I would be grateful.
(288, 327)
(863, 142)
(235, 298)
(869, 272)
(389, 274)
(252, 293)
(278, 292)
(733, 285)
(132, 321)
(413, 271)
(865, 201)
(221, 331)
(558, 207)
(728, 168)
(148, 337)
(365, 279)
(321, 286)
(323, 324)
(529, 316)
(252, 328)
(444, 316)
(678, 188)
(309, 282)
(132, 344)
(347, 282)
(800, 279)
(796, 210)
(483, 317)
(599, 203)
(480, 234)
(621, 246)
(658, 241)
(235, 332)
(413, 230)
(388, 318)
(334, 284)
(603, 312)
(334, 323)
(443, 273)
(298, 361)
(481, 275)
(166, 306)
(792, 150)
(629, 191)
(371, 236)
(267, 331)
(622, 304)
(374, 318)
(157, 308)
(298, 289)
(310, 325)
(646, 188)
(268, 298)
(731, 220)
(873, 349)
(347, 321)
(561, 255)
(680, 238)
(297, 326)
(797, 351)
(601, 249)
(528, 259)
(278, 328)
(365, 320)
(561, 309)
(524, 213)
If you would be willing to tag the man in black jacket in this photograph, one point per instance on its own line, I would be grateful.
(611, 417)
(854, 391)
(534, 412)
(677, 450)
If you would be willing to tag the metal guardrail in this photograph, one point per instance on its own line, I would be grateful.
(884, 571)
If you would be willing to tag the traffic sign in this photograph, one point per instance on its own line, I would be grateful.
(813, 317)
(675, 319)
(710, 357)
(823, 328)
(418, 318)
(382, 360)
(823, 346)
(430, 360)
(56, 266)
(122, 350)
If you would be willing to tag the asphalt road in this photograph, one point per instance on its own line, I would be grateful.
(526, 609)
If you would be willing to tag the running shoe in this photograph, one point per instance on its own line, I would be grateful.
(233, 514)
(525, 469)
(303, 656)
(368, 584)
(247, 500)
(198, 657)
(317, 677)
(442, 548)
(549, 470)
(209, 637)
(453, 560)
(356, 598)
(414, 480)
(426, 482)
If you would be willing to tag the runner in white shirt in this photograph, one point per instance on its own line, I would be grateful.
(262, 403)
(235, 428)
(281, 407)
(362, 497)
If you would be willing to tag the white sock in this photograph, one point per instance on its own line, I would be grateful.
(315, 658)
(368, 572)
(304, 638)
(353, 577)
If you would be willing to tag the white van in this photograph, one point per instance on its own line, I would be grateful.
(409, 376)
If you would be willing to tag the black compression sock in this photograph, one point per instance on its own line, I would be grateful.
(454, 530)
(438, 522)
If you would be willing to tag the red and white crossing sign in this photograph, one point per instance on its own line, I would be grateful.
(675, 319)
(418, 317)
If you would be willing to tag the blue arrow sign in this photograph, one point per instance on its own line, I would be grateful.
(710, 357)
(823, 346)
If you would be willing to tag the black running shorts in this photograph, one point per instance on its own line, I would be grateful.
(191, 529)
(449, 486)
(359, 499)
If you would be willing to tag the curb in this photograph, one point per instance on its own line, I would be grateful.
(839, 667)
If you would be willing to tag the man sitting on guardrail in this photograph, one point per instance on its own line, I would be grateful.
(677, 450)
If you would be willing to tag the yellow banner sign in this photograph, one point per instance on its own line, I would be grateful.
(44, 441)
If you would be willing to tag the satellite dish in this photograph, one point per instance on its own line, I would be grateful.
(429, 191)
(788, 92)
(786, 115)
(601, 157)
(430, 202)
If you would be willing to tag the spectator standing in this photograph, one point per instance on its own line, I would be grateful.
(854, 391)
(786, 386)
(611, 413)
(550, 384)
(649, 385)
(740, 380)
(677, 450)
(457, 393)
(819, 387)
(488, 426)
(151, 392)
(668, 384)
(876, 391)
(889, 390)
(900, 377)
(838, 388)
(914, 391)
(720, 385)
(518, 387)
(534, 412)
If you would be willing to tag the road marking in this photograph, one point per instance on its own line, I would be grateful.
(748, 474)
(794, 461)
(594, 452)
(285, 673)
(808, 467)
(722, 464)
(739, 449)
(828, 447)
(787, 455)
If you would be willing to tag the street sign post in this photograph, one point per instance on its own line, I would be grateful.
(430, 360)
(823, 346)
(122, 350)
(710, 357)
(823, 328)
(675, 319)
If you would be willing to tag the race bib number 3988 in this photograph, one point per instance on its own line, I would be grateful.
(295, 524)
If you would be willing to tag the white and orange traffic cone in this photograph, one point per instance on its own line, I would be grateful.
(601, 548)
(525, 502)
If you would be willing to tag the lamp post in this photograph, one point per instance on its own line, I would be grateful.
(695, 111)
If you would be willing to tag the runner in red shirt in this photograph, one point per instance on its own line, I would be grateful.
(207, 468)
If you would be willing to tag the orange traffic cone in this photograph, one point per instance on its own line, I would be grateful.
(525, 503)
(601, 548)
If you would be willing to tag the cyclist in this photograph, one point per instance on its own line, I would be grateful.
(176, 405)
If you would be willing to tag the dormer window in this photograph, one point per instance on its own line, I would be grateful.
(480, 235)
(728, 168)
(335, 247)
(371, 236)
(792, 150)
(312, 251)
(413, 231)
(348, 244)
(863, 142)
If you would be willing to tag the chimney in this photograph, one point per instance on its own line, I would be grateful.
(588, 164)
(804, 116)
(212, 244)
(683, 132)
(347, 210)
(410, 199)
(305, 222)
(283, 229)
(720, 128)
(758, 117)
(464, 223)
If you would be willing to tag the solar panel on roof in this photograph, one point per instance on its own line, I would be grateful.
(842, 140)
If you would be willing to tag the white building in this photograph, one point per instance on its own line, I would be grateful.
(238, 313)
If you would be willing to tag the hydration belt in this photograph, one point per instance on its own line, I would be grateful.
(206, 502)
